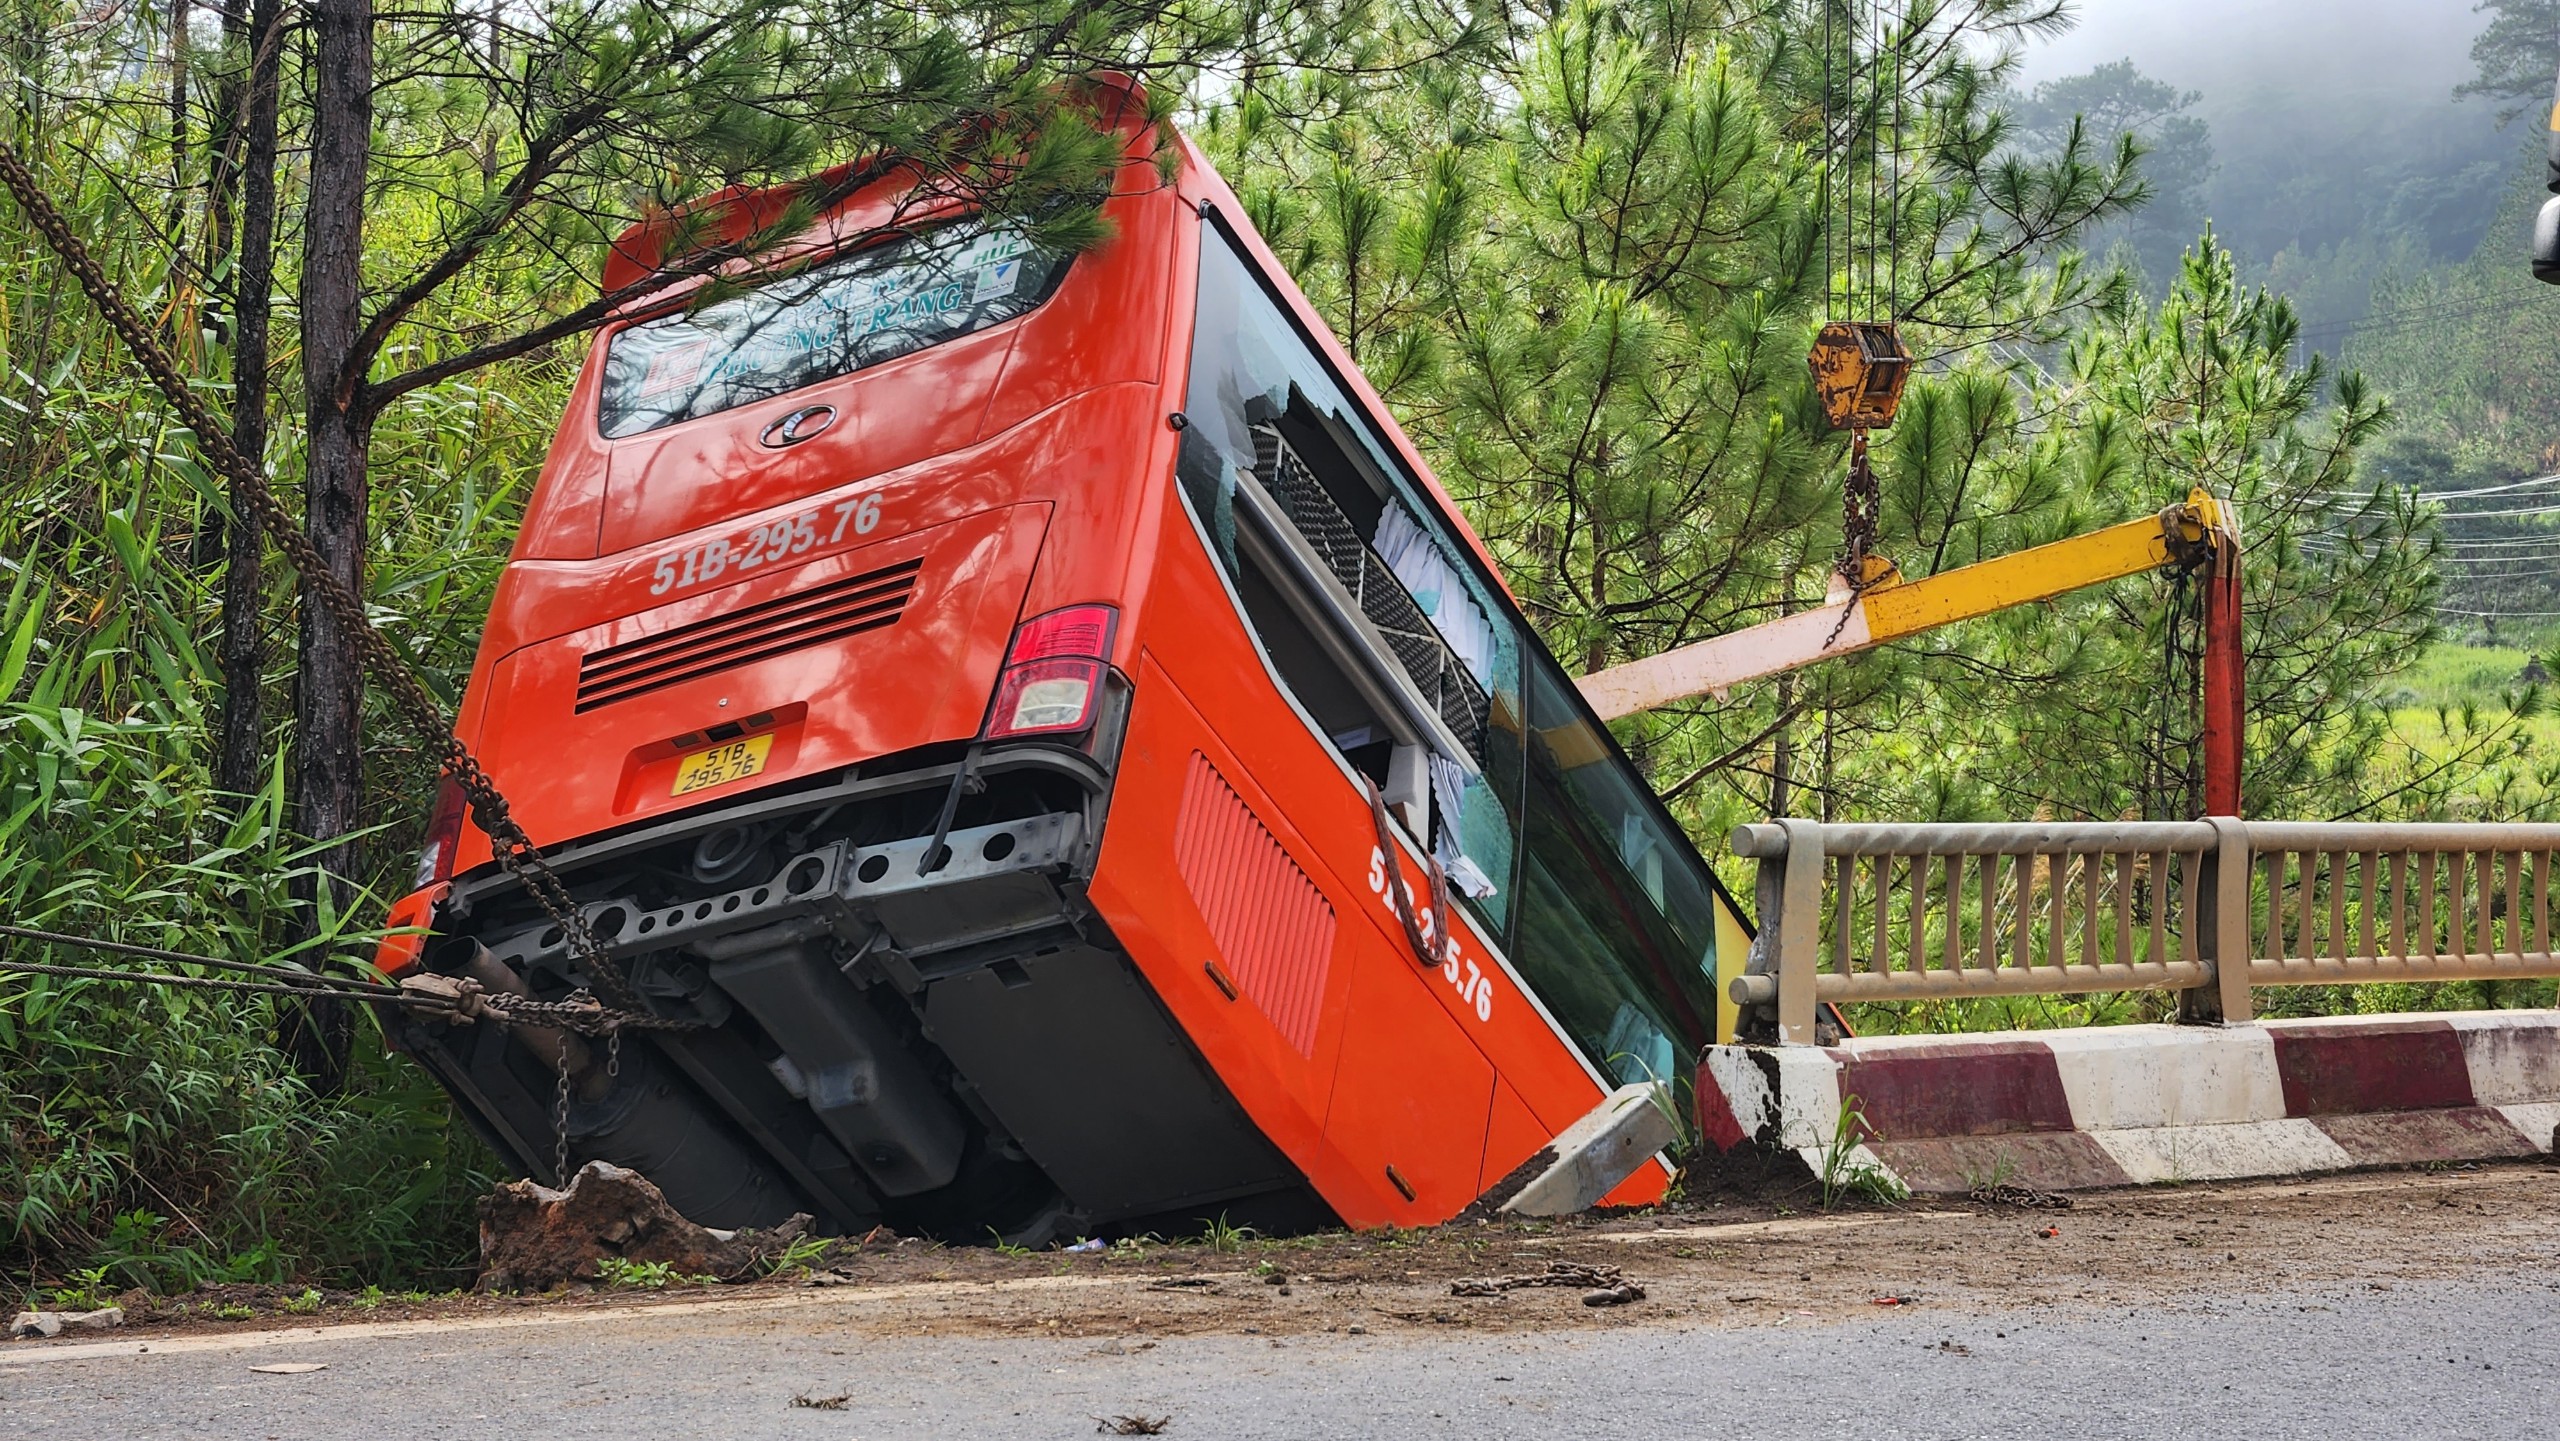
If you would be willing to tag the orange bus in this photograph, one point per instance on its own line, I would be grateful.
(1040, 721)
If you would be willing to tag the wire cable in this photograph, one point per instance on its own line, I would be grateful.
(208, 983)
(156, 953)
(2423, 493)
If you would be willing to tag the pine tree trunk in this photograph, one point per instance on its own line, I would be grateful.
(179, 10)
(329, 682)
(239, 766)
(223, 157)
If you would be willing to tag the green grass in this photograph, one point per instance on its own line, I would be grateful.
(2451, 674)
(2455, 691)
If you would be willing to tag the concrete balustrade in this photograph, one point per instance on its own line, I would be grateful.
(2208, 909)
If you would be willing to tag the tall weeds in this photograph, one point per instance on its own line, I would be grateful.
(160, 1134)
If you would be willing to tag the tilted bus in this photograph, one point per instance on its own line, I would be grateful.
(1110, 572)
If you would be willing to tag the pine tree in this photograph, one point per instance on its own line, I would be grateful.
(1587, 267)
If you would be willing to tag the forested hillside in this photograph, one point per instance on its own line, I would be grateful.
(2389, 201)
(1581, 248)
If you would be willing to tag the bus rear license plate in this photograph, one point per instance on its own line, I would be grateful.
(734, 761)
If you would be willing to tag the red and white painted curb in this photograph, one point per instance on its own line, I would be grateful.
(2126, 1105)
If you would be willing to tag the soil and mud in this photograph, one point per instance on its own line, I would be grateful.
(1756, 1261)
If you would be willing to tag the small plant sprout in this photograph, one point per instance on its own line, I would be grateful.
(625, 1275)
(800, 1256)
(1226, 1237)
(1847, 1171)
(2003, 1170)
(86, 1291)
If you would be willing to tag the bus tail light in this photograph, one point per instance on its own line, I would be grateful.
(444, 836)
(1053, 673)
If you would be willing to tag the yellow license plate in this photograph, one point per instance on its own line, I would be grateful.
(721, 764)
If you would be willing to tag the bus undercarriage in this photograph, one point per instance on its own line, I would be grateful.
(860, 1033)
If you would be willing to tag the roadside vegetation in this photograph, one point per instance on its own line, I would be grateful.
(1575, 246)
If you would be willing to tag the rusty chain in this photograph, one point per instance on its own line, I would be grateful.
(560, 1119)
(1400, 895)
(1861, 501)
(1558, 1273)
(1861, 505)
(513, 848)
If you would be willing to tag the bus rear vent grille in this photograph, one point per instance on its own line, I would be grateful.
(839, 608)
(1272, 926)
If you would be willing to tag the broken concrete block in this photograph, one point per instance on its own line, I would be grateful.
(35, 1323)
(533, 1238)
(1589, 1158)
(101, 1319)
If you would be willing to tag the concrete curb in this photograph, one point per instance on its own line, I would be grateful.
(2125, 1105)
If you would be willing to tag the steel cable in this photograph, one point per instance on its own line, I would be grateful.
(212, 983)
(156, 953)
(583, 1015)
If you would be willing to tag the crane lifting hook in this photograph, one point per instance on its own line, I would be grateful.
(1859, 369)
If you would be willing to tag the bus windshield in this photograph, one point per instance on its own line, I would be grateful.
(829, 320)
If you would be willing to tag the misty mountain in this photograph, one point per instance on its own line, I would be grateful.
(2338, 153)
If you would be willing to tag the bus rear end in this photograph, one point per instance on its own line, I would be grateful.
(808, 673)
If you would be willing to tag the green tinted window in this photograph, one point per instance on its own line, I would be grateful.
(1616, 918)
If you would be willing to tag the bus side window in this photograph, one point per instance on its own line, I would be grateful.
(1614, 927)
(1272, 441)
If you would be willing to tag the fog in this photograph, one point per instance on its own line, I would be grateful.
(2232, 50)
(2331, 119)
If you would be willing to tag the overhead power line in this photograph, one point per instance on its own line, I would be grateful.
(2424, 494)
(2527, 512)
(2511, 542)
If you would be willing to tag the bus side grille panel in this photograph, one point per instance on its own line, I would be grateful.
(1273, 928)
(795, 621)
(1418, 647)
(1302, 498)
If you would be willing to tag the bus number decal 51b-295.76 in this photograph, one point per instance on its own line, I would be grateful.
(1473, 986)
(762, 545)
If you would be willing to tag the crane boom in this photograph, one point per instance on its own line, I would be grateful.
(2199, 532)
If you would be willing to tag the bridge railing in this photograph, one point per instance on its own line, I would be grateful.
(1893, 912)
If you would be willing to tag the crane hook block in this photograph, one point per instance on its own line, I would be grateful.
(1859, 367)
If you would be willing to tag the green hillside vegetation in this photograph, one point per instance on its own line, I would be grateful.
(1579, 247)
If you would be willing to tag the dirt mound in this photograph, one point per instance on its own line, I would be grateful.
(533, 1238)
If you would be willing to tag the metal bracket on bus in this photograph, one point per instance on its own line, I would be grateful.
(858, 894)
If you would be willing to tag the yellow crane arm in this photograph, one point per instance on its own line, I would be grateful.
(1891, 609)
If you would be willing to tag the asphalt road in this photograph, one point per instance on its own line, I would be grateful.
(2460, 1357)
